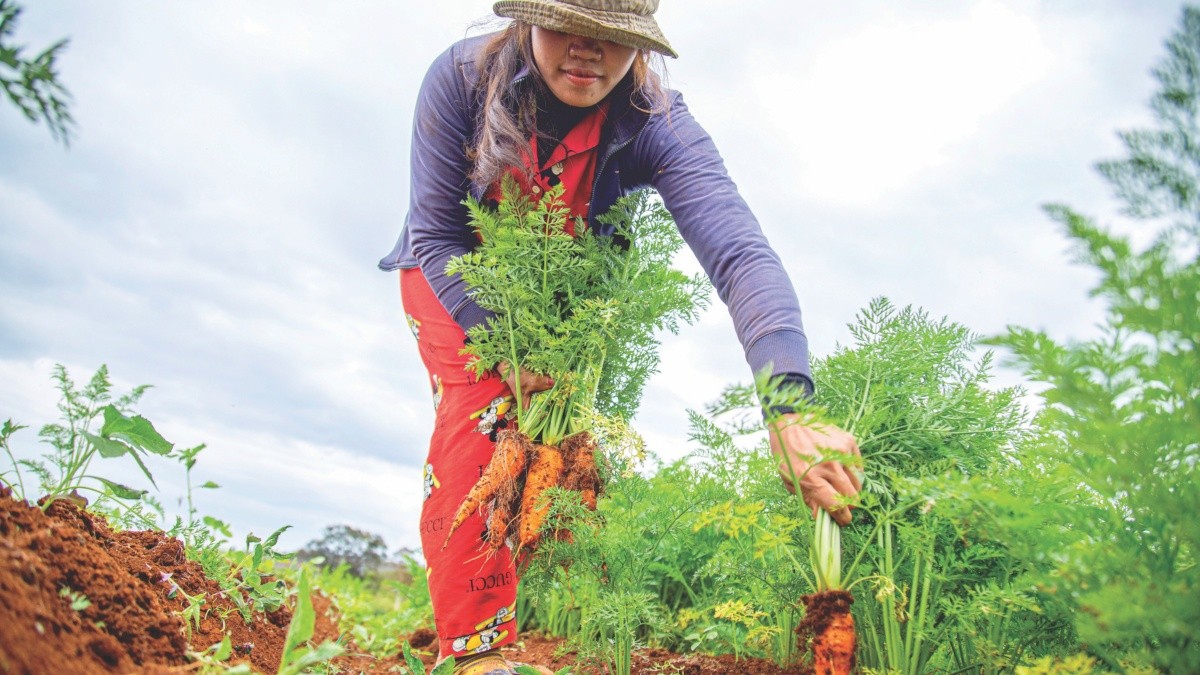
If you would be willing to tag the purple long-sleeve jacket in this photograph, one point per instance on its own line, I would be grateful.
(668, 151)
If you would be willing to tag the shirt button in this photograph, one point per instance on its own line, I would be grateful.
(535, 190)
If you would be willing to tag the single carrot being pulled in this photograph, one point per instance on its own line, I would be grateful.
(545, 470)
(501, 474)
(829, 629)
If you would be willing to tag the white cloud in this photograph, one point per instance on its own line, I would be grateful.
(869, 111)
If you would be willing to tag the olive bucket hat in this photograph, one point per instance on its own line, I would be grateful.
(626, 22)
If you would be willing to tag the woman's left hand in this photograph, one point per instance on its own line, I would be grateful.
(823, 484)
(531, 383)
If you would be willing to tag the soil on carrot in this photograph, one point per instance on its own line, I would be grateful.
(821, 610)
(77, 597)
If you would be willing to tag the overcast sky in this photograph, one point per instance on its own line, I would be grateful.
(240, 167)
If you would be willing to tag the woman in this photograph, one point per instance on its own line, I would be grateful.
(564, 95)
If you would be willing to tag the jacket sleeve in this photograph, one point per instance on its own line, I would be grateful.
(688, 172)
(437, 218)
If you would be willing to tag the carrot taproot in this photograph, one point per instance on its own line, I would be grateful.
(545, 471)
(833, 650)
(830, 628)
(507, 463)
(497, 524)
(502, 518)
(582, 474)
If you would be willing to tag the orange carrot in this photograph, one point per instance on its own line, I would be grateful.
(545, 470)
(502, 520)
(498, 521)
(582, 474)
(508, 460)
(833, 650)
(829, 624)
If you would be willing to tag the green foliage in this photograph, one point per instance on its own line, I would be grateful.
(298, 654)
(79, 601)
(376, 610)
(212, 660)
(615, 582)
(247, 577)
(413, 665)
(1112, 484)
(32, 85)
(581, 309)
(65, 469)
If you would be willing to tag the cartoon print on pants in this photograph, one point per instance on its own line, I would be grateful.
(486, 632)
(438, 391)
(429, 480)
(494, 417)
(413, 325)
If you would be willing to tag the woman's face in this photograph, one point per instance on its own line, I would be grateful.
(580, 71)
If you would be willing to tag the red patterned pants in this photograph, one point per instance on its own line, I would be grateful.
(474, 594)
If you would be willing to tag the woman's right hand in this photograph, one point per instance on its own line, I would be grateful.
(531, 383)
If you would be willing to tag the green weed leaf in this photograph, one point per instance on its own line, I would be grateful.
(137, 431)
(300, 631)
(123, 491)
(218, 526)
(107, 448)
(414, 663)
(224, 650)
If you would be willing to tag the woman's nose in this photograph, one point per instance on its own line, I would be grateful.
(584, 48)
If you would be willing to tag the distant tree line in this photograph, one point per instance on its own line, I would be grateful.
(363, 553)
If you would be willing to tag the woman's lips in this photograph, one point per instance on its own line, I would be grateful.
(581, 78)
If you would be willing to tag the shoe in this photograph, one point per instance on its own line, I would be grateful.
(540, 669)
(486, 664)
(490, 664)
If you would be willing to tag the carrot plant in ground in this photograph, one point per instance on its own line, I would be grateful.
(717, 543)
(1111, 484)
(913, 391)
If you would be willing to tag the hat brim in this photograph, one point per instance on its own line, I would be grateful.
(623, 28)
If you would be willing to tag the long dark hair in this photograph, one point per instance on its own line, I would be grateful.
(507, 117)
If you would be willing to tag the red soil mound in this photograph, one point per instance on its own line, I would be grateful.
(132, 624)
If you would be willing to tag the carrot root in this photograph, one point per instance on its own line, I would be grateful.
(498, 479)
(582, 474)
(545, 471)
(828, 629)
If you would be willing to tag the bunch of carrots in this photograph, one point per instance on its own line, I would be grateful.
(512, 489)
(581, 308)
